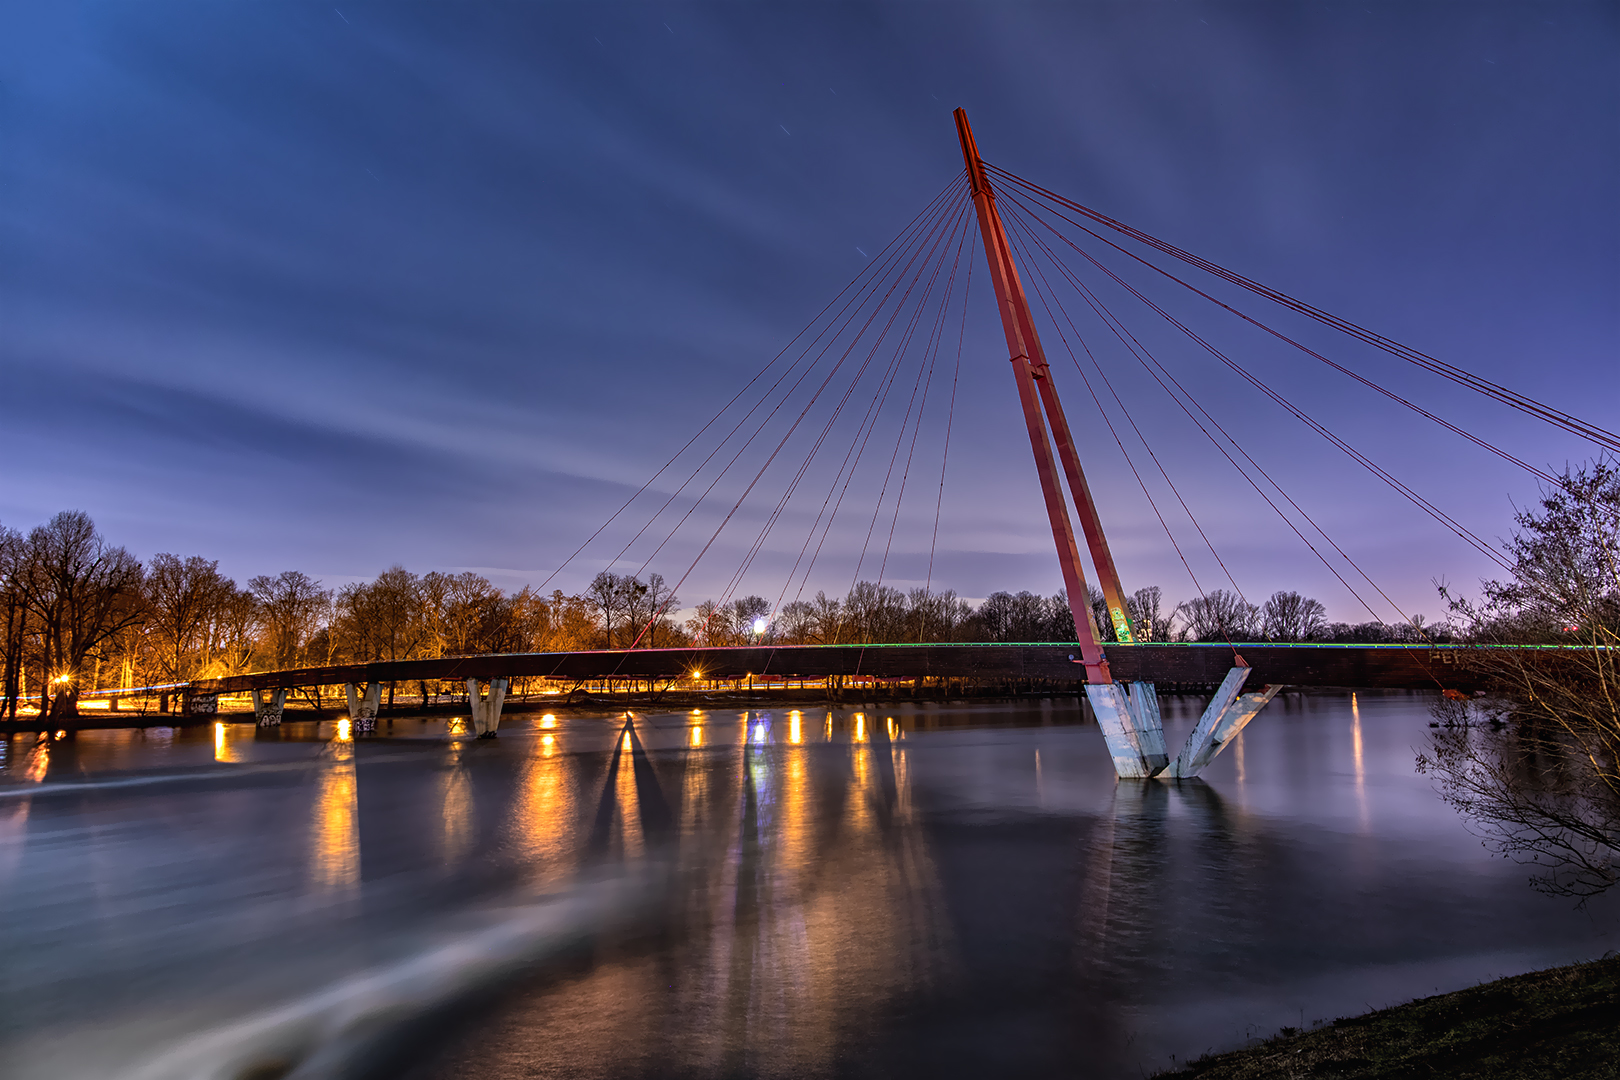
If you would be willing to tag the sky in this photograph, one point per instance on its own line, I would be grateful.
(330, 288)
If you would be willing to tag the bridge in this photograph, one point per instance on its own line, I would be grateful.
(1118, 669)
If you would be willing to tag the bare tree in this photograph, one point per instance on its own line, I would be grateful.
(660, 601)
(1288, 616)
(183, 596)
(827, 619)
(80, 592)
(235, 630)
(472, 613)
(14, 608)
(292, 609)
(708, 625)
(797, 620)
(1147, 615)
(1218, 616)
(607, 593)
(748, 618)
(1542, 783)
(1023, 616)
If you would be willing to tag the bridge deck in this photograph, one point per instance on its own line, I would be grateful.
(1389, 666)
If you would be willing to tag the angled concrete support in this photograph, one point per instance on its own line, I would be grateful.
(363, 708)
(1130, 722)
(1238, 715)
(267, 711)
(486, 709)
(1226, 715)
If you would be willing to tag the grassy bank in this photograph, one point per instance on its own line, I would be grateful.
(1559, 1023)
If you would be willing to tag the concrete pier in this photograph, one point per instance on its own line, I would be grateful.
(268, 706)
(486, 708)
(1226, 715)
(1131, 724)
(363, 706)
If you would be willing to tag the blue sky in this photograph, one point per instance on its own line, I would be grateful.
(330, 288)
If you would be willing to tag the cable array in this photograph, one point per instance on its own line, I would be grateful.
(825, 435)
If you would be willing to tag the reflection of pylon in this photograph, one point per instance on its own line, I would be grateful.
(631, 836)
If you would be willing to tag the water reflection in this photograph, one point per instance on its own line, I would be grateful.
(456, 804)
(894, 900)
(1360, 764)
(13, 835)
(336, 829)
(223, 749)
(546, 813)
(39, 760)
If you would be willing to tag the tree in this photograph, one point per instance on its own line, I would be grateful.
(797, 621)
(1541, 783)
(235, 630)
(472, 613)
(1218, 616)
(292, 608)
(14, 609)
(707, 626)
(80, 592)
(1147, 617)
(1019, 616)
(827, 619)
(646, 608)
(608, 593)
(748, 617)
(1288, 616)
(183, 597)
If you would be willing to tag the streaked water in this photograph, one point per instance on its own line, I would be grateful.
(946, 890)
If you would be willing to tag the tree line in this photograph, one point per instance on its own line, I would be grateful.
(82, 614)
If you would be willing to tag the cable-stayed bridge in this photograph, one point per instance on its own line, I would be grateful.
(852, 390)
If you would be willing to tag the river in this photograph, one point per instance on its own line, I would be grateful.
(943, 890)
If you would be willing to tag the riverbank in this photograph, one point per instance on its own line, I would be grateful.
(1560, 1023)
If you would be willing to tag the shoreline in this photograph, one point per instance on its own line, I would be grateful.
(1557, 1022)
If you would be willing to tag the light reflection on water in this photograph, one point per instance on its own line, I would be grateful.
(930, 889)
(335, 865)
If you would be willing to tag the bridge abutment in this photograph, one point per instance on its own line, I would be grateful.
(486, 708)
(267, 711)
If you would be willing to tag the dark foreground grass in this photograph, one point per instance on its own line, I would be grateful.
(1560, 1023)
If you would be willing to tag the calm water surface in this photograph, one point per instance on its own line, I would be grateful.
(941, 890)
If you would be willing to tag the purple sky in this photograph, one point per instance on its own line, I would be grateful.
(330, 288)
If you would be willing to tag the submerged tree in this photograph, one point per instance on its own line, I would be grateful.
(1542, 783)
